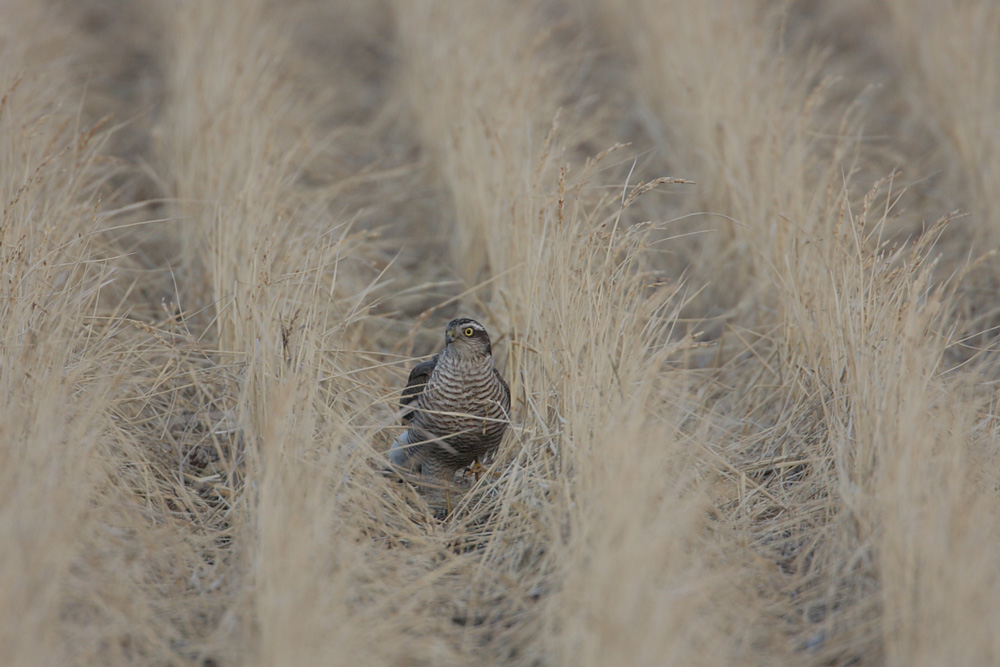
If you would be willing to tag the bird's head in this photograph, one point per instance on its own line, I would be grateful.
(465, 336)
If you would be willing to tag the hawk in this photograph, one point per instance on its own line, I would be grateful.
(457, 405)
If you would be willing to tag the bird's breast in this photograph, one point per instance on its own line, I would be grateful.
(460, 394)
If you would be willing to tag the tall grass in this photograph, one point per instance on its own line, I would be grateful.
(739, 434)
(53, 350)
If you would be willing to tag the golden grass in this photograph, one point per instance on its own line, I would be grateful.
(748, 340)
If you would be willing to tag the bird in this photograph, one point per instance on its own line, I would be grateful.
(456, 406)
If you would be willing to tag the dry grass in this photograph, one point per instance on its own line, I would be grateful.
(750, 343)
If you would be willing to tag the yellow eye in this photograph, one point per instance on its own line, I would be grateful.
(468, 332)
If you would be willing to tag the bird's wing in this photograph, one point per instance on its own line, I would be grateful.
(419, 377)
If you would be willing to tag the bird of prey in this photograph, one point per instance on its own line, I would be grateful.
(457, 405)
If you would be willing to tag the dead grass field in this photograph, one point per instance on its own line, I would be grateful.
(737, 258)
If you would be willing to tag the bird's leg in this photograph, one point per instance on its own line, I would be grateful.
(477, 469)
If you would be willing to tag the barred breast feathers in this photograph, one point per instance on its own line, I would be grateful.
(456, 405)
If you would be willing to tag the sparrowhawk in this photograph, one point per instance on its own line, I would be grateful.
(457, 405)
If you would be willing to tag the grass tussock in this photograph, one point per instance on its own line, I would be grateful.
(751, 365)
